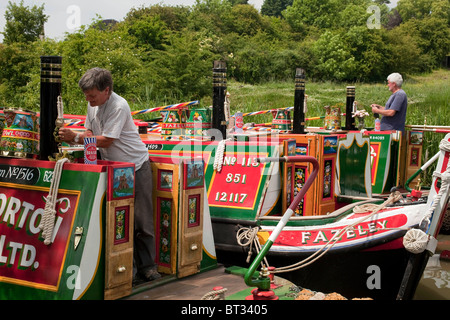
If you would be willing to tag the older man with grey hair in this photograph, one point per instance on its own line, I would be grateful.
(109, 121)
(394, 112)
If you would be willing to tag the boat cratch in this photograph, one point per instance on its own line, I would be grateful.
(328, 209)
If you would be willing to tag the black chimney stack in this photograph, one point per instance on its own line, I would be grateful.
(219, 93)
(349, 120)
(50, 90)
(299, 102)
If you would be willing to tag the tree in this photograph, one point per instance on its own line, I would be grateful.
(182, 68)
(150, 32)
(428, 24)
(335, 60)
(245, 20)
(236, 2)
(306, 13)
(111, 49)
(275, 7)
(23, 24)
(210, 16)
(175, 18)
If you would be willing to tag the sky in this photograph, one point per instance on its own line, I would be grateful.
(68, 15)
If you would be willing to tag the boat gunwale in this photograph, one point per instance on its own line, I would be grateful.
(335, 216)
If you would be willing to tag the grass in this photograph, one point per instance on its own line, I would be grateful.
(428, 102)
(428, 98)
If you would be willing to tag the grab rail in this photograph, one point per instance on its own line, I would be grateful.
(418, 172)
(263, 283)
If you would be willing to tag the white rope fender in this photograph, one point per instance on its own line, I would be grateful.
(218, 159)
(48, 218)
(415, 241)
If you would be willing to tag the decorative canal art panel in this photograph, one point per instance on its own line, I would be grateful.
(194, 210)
(121, 182)
(194, 174)
(375, 148)
(121, 224)
(299, 179)
(236, 186)
(164, 232)
(328, 179)
(24, 258)
(165, 180)
(179, 199)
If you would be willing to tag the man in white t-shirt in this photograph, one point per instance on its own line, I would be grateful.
(109, 121)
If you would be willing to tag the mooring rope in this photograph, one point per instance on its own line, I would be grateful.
(48, 218)
(249, 237)
(393, 197)
(215, 294)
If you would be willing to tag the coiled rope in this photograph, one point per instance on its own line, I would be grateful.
(215, 294)
(48, 218)
(249, 237)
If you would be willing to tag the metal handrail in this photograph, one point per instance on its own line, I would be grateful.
(418, 172)
(263, 282)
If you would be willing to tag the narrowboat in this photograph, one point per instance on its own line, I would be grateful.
(317, 198)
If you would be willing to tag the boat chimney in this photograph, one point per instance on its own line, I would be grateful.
(349, 120)
(299, 102)
(219, 93)
(50, 90)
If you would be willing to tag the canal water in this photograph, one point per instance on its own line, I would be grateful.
(435, 282)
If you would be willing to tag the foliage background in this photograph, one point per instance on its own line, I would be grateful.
(163, 54)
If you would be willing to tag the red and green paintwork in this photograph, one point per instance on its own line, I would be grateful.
(29, 269)
(239, 191)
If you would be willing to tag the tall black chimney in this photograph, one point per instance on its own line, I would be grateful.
(299, 102)
(349, 120)
(50, 90)
(219, 92)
